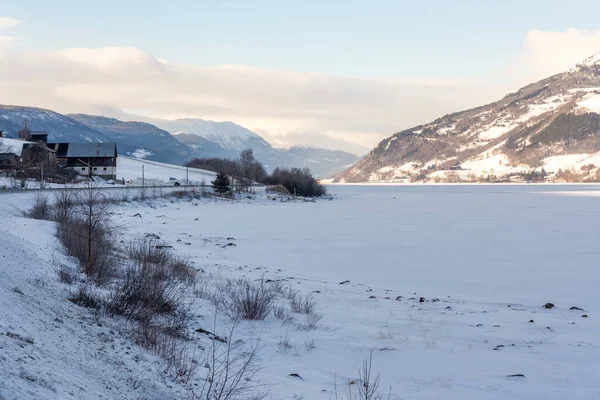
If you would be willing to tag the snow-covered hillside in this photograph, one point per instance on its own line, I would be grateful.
(520, 134)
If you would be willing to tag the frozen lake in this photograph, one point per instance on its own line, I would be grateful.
(529, 244)
(493, 255)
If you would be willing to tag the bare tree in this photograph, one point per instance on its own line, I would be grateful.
(64, 204)
(250, 169)
(88, 234)
(94, 209)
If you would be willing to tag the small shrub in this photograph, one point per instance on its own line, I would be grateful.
(65, 275)
(41, 209)
(64, 205)
(145, 292)
(147, 251)
(182, 270)
(95, 253)
(310, 344)
(290, 294)
(277, 286)
(281, 312)
(312, 320)
(177, 362)
(284, 345)
(303, 305)
(86, 297)
(250, 300)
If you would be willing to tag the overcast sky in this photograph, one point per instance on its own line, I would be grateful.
(321, 72)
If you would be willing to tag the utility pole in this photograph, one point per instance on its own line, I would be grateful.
(187, 176)
(143, 178)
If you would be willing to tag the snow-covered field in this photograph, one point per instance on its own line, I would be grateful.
(484, 258)
(130, 169)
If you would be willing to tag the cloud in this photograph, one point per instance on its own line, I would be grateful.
(5, 40)
(276, 102)
(289, 107)
(546, 53)
(8, 22)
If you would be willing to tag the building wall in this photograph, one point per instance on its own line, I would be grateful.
(108, 172)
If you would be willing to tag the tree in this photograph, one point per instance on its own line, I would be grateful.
(250, 169)
(94, 211)
(222, 183)
(297, 181)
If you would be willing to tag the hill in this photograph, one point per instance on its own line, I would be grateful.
(549, 128)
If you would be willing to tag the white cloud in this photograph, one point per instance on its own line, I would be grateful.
(4, 40)
(8, 22)
(546, 53)
(275, 102)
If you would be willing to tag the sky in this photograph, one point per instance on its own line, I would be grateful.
(339, 74)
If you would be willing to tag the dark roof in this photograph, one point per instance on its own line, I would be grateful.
(85, 150)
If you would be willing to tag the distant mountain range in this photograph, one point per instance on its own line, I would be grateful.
(139, 139)
(550, 127)
(174, 142)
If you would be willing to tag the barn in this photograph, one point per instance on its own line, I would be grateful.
(90, 159)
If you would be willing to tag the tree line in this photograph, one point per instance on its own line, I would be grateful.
(246, 170)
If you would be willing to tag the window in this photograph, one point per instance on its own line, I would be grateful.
(83, 169)
(95, 169)
(105, 168)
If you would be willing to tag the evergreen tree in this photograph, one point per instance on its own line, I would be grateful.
(222, 183)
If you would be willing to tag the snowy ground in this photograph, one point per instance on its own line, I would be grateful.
(484, 258)
(130, 169)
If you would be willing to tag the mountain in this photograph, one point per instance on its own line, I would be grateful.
(219, 139)
(226, 139)
(139, 139)
(60, 128)
(226, 134)
(321, 162)
(204, 147)
(551, 127)
(145, 140)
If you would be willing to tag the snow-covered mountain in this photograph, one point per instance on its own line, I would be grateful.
(551, 127)
(139, 139)
(60, 127)
(193, 138)
(226, 139)
(226, 134)
(321, 162)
